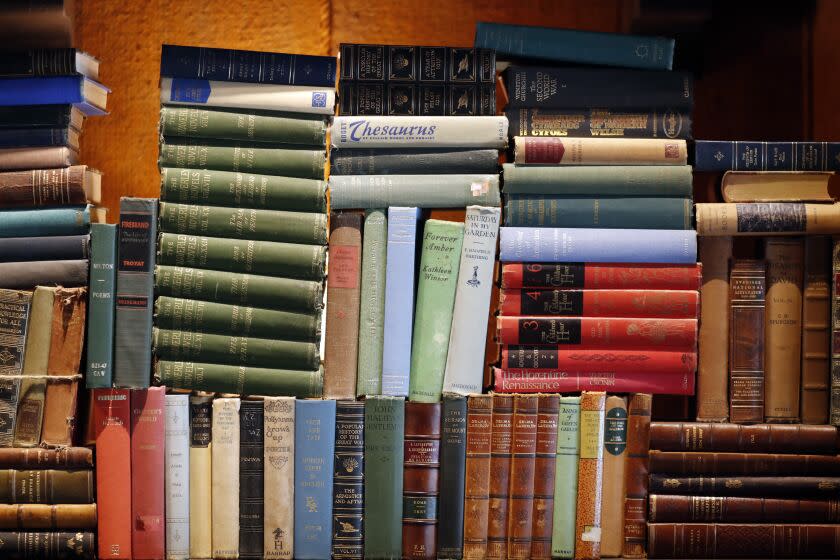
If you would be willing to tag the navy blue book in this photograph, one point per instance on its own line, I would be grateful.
(717, 155)
(39, 137)
(314, 448)
(87, 95)
(49, 248)
(230, 65)
(40, 116)
(48, 62)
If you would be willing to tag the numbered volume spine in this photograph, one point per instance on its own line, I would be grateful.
(348, 480)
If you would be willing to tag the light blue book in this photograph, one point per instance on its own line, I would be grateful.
(74, 220)
(100, 326)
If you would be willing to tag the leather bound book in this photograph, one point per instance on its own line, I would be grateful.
(201, 485)
(590, 476)
(453, 448)
(733, 509)
(753, 486)
(712, 366)
(718, 540)
(636, 475)
(112, 417)
(279, 477)
(38, 458)
(615, 463)
(746, 337)
(9, 392)
(522, 463)
(477, 479)
(763, 438)
(60, 410)
(420, 480)
(147, 481)
(48, 517)
(251, 479)
(49, 545)
(46, 486)
(500, 449)
(834, 402)
(348, 480)
(816, 331)
(709, 463)
(225, 486)
(342, 322)
(545, 462)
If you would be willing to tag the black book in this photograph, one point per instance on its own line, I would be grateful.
(453, 464)
(41, 116)
(348, 480)
(48, 62)
(251, 479)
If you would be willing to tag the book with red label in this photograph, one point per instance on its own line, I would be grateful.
(112, 418)
(599, 151)
(147, 473)
(661, 304)
(602, 276)
(560, 381)
(599, 332)
(545, 359)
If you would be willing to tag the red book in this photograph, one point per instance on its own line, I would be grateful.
(541, 359)
(599, 332)
(112, 421)
(602, 276)
(673, 304)
(147, 466)
(506, 381)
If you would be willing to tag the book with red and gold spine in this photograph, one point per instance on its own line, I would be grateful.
(636, 475)
(601, 276)
(562, 381)
(545, 464)
(659, 304)
(500, 458)
(599, 332)
(522, 462)
(532, 359)
(477, 484)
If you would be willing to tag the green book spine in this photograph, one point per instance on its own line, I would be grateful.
(250, 126)
(240, 380)
(227, 188)
(436, 285)
(239, 255)
(628, 213)
(566, 478)
(221, 318)
(244, 223)
(424, 191)
(613, 180)
(306, 164)
(191, 346)
(384, 436)
(372, 311)
(288, 294)
(100, 322)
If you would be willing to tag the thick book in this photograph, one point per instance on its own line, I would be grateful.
(40, 137)
(341, 336)
(28, 274)
(579, 47)
(565, 381)
(766, 218)
(477, 469)
(711, 463)
(251, 442)
(41, 116)
(68, 186)
(423, 98)
(453, 448)
(384, 457)
(415, 63)
(816, 331)
(49, 62)
(410, 161)
(590, 476)
(48, 545)
(47, 486)
(615, 467)
(30, 412)
(240, 380)
(44, 157)
(716, 155)
(538, 245)
(279, 477)
(45, 222)
(14, 322)
(372, 303)
(593, 121)
(733, 509)
(436, 285)
(777, 186)
(547, 150)
(348, 481)
(521, 498)
(561, 357)
(39, 458)
(148, 429)
(426, 191)
(834, 387)
(747, 286)
(540, 302)
(501, 441)
(48, 517)
(753, 486)
(636, 471)
(421, 479)
(419, 132)
(737, 438)
(225, 486)
(531, 210)
(598, 276)
(247, 66)
(177, 476)
(51, 248)
(100, 326)
(200, 476)
(87, 95)
(314, 460)
(566, 478)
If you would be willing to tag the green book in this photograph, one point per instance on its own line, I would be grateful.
(221, 318)
(290, 260)
(228, 188)
(307, 164)
(240, 380)
(249, 126)
(372, 300)
(244, 223)
(189, 346)
(436, 284)
(100, 323)
(537, 210)
(288, 294)
(566, 478)
(599, 180)
(384, 437)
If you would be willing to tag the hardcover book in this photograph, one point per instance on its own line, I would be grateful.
(834, 402)
(200, 476)
(477, 470)
(746, 336)
(453, 446)
(588, 522)
(177, 477)
(421, 480)
(14, 320)
(613, 180)
(544, 475)
(816, 331)
(566, 478)
(599, 151)
(279, 479)
(372, 304)
(112, 417)
(251, 479)
(499, 482)
(715, 155)
(100, 327)
(348, 480)
(762, 438)
(225, 485)
(636, 475)
(419, 132)
(521, 500)
(148, 429)
(615, 465)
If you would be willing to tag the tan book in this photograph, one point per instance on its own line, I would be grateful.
(279, 476)
(783, 329)
(545, 150)
(588, 527)
(201, 476)
(713, 356)
(714, 219)
(615, 463)
(776, 186)
(816, 331)
(225, 495)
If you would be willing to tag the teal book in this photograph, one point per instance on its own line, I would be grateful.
(599, 180)
(45, 222)
(606, 212)
(436, 284)
(372, 300)
(566, 478)
(100, 321)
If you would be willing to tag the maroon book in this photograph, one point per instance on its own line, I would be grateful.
(147, 472)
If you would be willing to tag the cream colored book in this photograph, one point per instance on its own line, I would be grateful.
(279, 477)
(201, 477)
(615, 461)
(225, 495)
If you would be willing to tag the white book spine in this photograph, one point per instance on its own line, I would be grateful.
(465, 359)
(418, 132)
(239, 95)
(225, 497)
(279, 477)
(177, 477)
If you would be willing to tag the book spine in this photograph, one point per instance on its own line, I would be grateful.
(372, 304)
(599, 151)
(348, 480)
(38, 116)
(52, 248)
(600, 276)
(35, 137)
(30, 412)
(615, 469)
(834, 402)
(665, 304)
(14, 322)
(464, 368)
(453, 448)
(746, 339)
(544, 476)
(39, 62)
(631, 213)
(816, 331)
(419, 132)
(477, 470)
(564, 381)
(9, 394)
(37, 157)
(499, 486)
(378, 63)
(177, 477)
(713, 155)
(753, 486)
(593, 123)
(566, 478)
(521, 498)
(546, 359)
(24, 275)
(731, 509)
(279, 478)
(423, 98)
(315, 423)
(39, 458)
(47, 486)
(384, 457)
(399, 300)
(421, 476)
(241, 380)
(100, 329)
(49, 545)
(436, 284)
(710, 463)
(762, 218)
(764, 438)
(636, 475)
(147, 477)
(427, 191)
(251, 479)
(48, 517)
(225, 469)
(47, 221)
(43, 187)
(590, 476)
(60, 409)
(537, 245)
(341, 347)
(112, 416)
(413, 162)
(200, 477)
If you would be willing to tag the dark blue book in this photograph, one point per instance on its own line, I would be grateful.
(349, 480)
(39, 137)
(48, 62)
(41, 116)
(87, 95)
(256, 67)
(413, 162)
(314, 448)
(717, 155)
(48, 248)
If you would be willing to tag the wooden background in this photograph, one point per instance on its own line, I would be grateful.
(764, 70)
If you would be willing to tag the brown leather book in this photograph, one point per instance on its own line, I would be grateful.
(746, 337)
(46, 486)
(763, 438)
(500, 450)
(816, 331)
(590, 476)
(544, 472)
(709, 463)
(752, 486)
(733, 509)
(615, 463)
(522, 463)
(477, 484)
(48, 517)
(783, 329)
(64, 458)
(718, 540)
(75, 185)
(420, 480)
(834, 400)
(713, 358)
(636, 475)
(342, 322)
